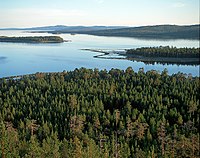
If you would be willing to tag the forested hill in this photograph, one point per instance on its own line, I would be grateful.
(155, 32)
(66, 28)
(158, 31)
(89, 113)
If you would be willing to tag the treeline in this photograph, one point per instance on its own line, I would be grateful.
(149, 32)
(34, 39)
(89, 113)
(165, 51)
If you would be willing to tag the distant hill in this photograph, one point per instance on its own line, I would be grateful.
(74, 29)
(44, 28)
(64, 28)
(155, 32)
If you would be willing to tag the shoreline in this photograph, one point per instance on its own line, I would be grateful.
(150, 60)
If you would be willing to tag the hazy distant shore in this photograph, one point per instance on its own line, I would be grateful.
(165, 32)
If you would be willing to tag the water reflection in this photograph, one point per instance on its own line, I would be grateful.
(32, 58)
(3, 59)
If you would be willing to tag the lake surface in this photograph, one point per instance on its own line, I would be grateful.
(21, 58)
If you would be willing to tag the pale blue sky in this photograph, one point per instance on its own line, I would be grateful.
(28, 13)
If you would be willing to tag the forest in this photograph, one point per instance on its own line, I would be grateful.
(165, 51)
(34, 39)
(146, 32)
(91, 113)
(151, 55)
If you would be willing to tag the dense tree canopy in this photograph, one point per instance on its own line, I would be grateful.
(147, 32)
(91, 113)
(165, 52)
(34, 39)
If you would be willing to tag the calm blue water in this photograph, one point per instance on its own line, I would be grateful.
(20, 58)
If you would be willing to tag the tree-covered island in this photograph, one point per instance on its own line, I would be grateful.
(33, 39)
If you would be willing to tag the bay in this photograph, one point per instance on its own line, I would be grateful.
(22, 58)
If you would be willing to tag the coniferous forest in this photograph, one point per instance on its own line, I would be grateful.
(34, 39)
(89, 113)
(165, 51)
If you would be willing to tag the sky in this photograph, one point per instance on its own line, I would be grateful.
(32, 13)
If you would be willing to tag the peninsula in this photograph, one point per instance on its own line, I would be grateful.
(150, 55)
(33, 39)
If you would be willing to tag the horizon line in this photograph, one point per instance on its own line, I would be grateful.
(99, 25)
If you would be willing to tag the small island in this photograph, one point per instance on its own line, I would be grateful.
(33, 39)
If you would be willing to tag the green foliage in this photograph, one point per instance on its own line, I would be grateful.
(165, 52)
(92, 113)
(35, 39)
(165, 55)
(152, 32)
